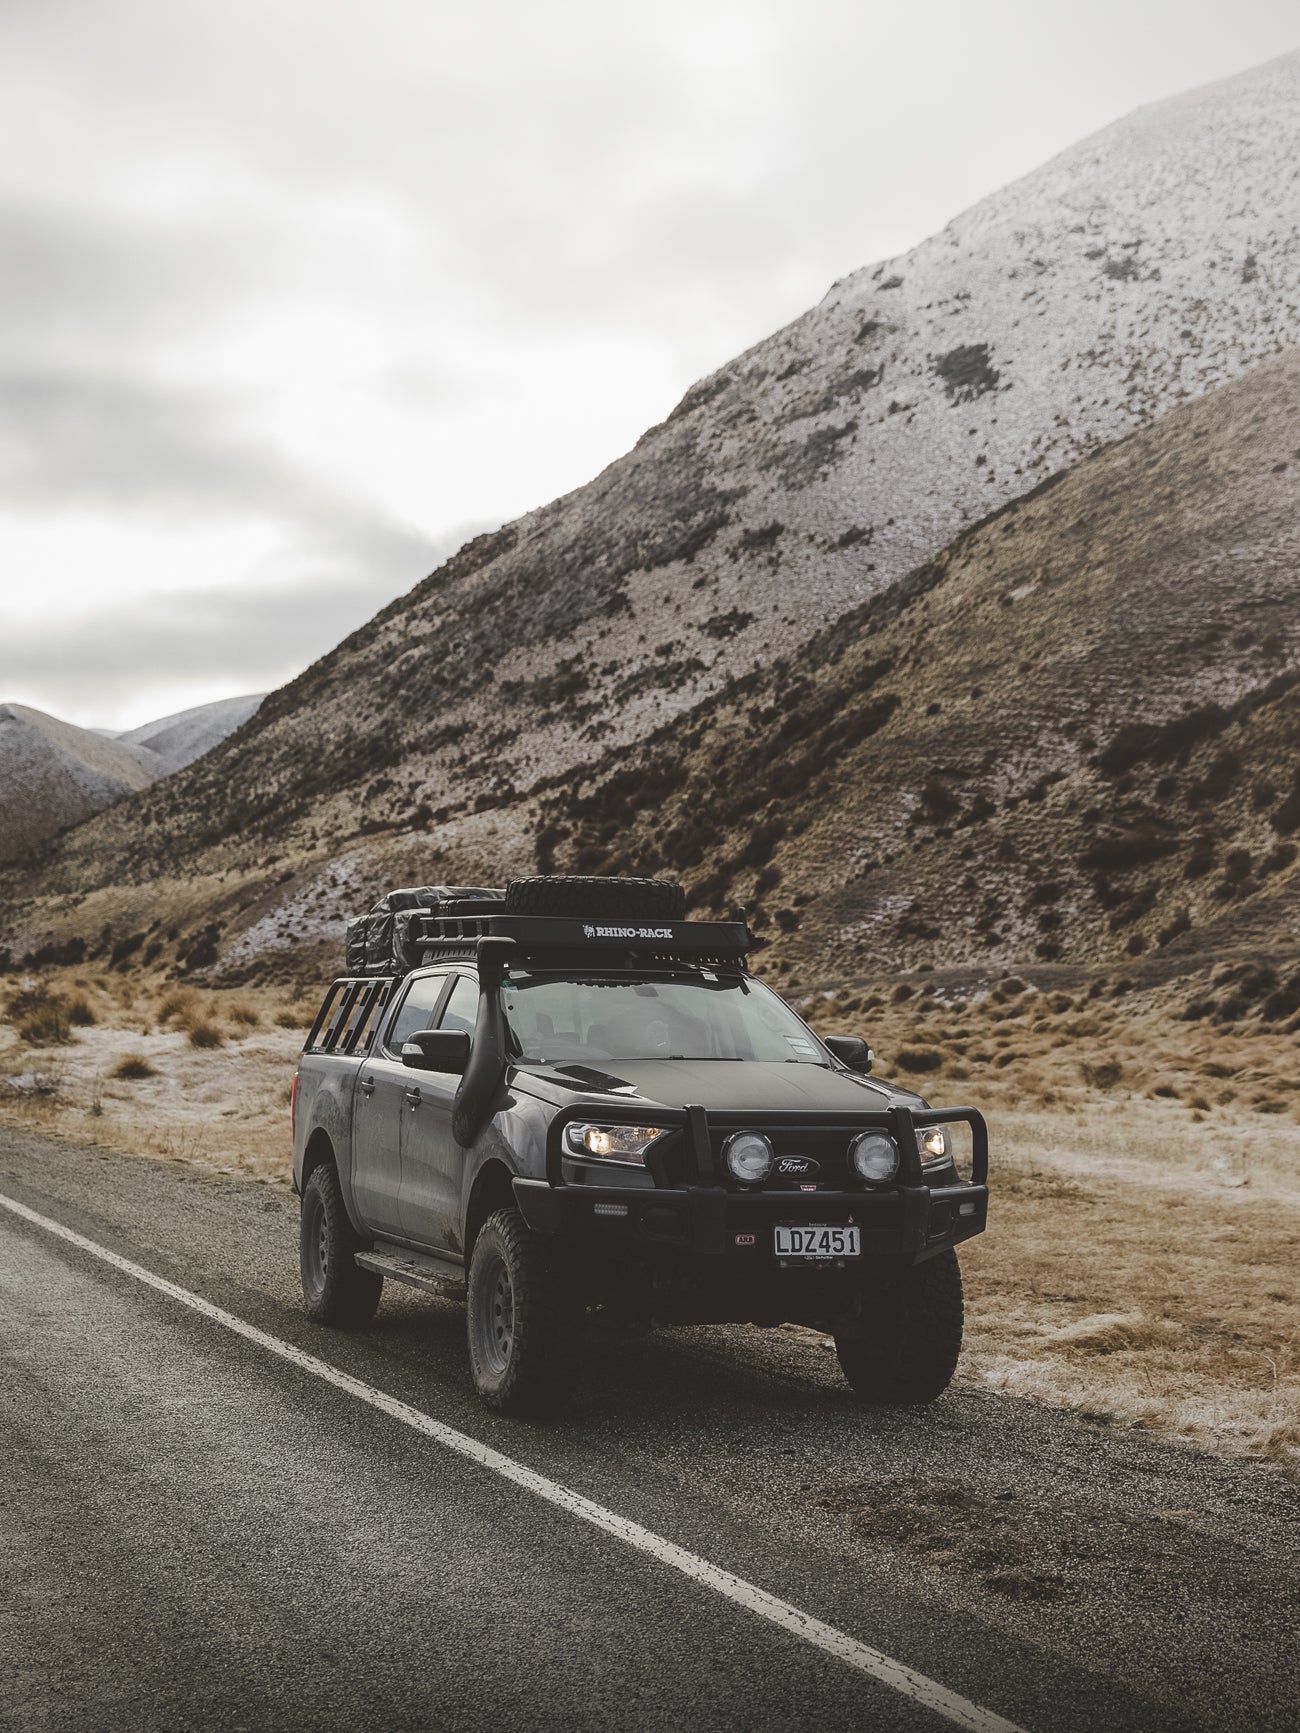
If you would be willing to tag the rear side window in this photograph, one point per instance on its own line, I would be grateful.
(462, 1007)
(416, 1010)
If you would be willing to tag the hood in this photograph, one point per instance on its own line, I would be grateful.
(718, 1085)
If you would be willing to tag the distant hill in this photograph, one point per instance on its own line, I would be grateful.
(178, 740)
(807, 491)
(54, 775)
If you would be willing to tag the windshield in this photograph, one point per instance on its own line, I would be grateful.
(675, 1014)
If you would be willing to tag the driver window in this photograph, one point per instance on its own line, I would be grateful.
(462, 1007)
(416, 1010)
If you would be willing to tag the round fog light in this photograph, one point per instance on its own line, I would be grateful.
(749, 1156)
(874, 1156)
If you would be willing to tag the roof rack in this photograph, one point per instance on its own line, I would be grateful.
(347, 1021)
(700, 941)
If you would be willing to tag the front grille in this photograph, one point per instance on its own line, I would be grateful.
(827, 1145)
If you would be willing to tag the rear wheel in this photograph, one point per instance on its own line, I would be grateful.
(522, 1318)
(911, 1353)
(334, 1290)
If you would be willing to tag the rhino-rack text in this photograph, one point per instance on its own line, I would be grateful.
(590, 932)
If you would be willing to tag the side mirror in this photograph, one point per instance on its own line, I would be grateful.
(851, 1050)
(436, 1050)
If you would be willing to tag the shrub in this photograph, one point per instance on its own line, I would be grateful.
(1201, 859)
(205, 1035)
(133, 1069)
(1118, 852)
(938, 802)
(918, 1059)
(1181, 923)
(40, 1017)
(1286, 819)
(80, 1014)
(125, 948)
(46, 1025)
(1101, 1073)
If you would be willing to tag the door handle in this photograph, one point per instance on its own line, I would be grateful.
(411, 1095)
(367, 1086)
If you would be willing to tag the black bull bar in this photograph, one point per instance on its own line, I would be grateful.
(702, 1210)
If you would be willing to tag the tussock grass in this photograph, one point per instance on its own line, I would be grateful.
(134, 1068)
(205, 1035)
(1145, 1205)
(40, 1016)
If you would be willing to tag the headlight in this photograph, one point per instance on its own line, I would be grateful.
(875, 1157)
(626, 1143)
(749, 1156)
(932, 1145)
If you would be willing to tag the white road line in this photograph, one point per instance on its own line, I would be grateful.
(906, 1680)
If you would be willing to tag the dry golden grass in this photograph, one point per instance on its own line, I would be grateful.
(1141, 1268)
(1144, 1225)
(223, 1109)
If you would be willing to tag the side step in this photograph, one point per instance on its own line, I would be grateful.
(442, 1276)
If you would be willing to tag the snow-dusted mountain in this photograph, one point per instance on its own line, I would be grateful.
(827, 467)
(54, 774)
(1138, 270)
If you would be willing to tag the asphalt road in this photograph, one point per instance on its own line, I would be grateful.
(196, 1532)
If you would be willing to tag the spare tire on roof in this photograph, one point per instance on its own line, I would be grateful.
(597, 898)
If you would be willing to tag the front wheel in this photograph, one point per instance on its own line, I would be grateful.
(910, 1352)
(334, 1290)
(522, 1318)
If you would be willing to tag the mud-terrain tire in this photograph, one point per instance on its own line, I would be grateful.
(597, 899)
(334, 1290)
(522, 1318)
(912, 1354)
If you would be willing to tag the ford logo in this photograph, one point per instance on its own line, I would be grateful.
(797, 1164)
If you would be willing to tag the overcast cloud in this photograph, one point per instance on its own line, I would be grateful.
(294, 296)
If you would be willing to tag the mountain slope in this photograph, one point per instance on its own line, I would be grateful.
(812, 477)
(1073, 736)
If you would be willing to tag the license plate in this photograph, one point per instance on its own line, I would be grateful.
(818, 1242)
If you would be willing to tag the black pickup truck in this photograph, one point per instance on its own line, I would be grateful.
(566, 1098)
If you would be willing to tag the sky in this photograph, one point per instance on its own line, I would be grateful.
(296, 295)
